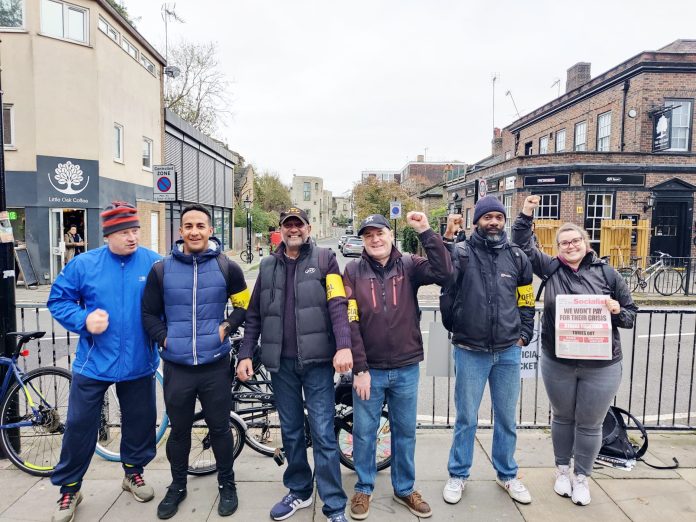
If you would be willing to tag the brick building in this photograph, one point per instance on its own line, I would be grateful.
(620, 145)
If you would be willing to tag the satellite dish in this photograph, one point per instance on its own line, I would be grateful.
(172, 71)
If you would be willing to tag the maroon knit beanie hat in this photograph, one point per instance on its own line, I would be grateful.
(119, 216)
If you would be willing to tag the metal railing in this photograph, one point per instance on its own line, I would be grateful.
(659, 358)
(678, 278)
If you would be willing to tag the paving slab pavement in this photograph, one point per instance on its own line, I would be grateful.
(640, 495)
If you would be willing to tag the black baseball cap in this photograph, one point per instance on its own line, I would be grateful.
(294, 212)
(374, 220)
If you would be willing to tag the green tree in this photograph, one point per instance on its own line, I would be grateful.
(373, 197)
(11, 13)
(409, 240)
(271, 194)
(122, 10)
(261, 220)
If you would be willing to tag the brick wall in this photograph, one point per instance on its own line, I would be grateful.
(145, 210)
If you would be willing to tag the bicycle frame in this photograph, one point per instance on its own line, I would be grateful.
(14, 373)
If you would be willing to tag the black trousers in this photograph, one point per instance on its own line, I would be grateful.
(212, 385)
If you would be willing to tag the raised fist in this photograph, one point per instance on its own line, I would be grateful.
(455, 223)
(530, 204)
(418, 221)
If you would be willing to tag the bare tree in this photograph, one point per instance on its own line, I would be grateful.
(199, 93)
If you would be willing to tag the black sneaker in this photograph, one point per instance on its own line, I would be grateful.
(228, 499)
(170, 503)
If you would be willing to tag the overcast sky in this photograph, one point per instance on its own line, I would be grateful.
(327, 88)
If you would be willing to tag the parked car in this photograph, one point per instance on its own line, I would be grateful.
(341, 241)
(353, 247)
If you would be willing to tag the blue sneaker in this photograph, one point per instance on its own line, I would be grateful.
(287, 507)
(339, 517)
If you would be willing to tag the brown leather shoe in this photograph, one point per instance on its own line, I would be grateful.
(415, 504)
(360, 506)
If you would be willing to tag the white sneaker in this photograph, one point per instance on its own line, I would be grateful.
(516, 490)
(453, 490)
(581, 490)
(563, 486)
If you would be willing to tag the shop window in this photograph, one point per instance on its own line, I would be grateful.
(8, 126)
(598, 207)
(549, 206)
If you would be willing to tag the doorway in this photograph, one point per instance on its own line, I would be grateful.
(669, 228)
(60, 221)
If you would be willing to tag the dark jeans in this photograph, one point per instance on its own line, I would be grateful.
(316, 381)
(212, 385)
(138, 422)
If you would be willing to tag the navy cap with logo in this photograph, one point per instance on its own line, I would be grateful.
(375, 220)
(294, 212)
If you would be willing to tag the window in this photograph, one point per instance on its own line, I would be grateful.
(8, 125)
(549, 206)
(147, 64)
(544, 145)
(603, 132)
(12, 14)
(508, 155)
(528, 148)
(507, 203)
(129, 48)
(147, 153)
(118, 142)
(560, 140)
(62, 20)
(681, 124)
(307, 191)
(468, 218)
(316, 186)
(581, 136)
(599, 207)
(106, 28)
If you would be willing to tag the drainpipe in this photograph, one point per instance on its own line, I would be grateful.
(626, 85)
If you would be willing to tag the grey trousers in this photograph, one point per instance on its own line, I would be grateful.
(580, 398)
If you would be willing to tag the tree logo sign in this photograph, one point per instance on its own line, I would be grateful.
(71, 176)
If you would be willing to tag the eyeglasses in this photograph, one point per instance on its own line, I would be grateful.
(293, 224)
(575, 242)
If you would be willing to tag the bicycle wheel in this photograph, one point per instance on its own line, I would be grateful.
(109, 441)
(668, 281)
(344, 437)
(201, 456)
(41, 406)
(246, 256)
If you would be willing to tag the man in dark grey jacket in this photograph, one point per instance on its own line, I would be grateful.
(300, 311)
(493, 317)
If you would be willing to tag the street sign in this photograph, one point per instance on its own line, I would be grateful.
(164, 186)
(395, 210)
(483, 188)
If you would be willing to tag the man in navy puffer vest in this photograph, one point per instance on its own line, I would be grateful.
(184, 312)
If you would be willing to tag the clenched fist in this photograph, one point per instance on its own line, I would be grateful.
(418, 221)
(455, 223)
(530, 204)
(97, 322)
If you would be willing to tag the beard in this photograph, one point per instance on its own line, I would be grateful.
(492, 234)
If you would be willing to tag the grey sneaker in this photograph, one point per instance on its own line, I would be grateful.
(135, 483)
(67, 504)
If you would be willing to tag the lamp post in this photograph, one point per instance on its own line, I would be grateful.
(247, 206)
(8, 319)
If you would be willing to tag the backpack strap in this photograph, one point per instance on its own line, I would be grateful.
(323, 261)
(224, 263)
(610, 278)
(553, 268)
(158, 267)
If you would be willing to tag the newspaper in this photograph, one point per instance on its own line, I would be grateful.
(583, 327)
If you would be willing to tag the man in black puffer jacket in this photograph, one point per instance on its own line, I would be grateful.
(493, 317)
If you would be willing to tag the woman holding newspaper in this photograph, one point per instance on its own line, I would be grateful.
(585, 302)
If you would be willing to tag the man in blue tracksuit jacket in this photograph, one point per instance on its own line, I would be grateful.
(98, 296)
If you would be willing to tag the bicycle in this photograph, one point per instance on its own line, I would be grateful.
(667, 280)
(247, 256)
(254, 404)
(33, 411)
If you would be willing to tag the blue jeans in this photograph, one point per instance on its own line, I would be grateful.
(400, 389)
(317, 382)
(472, 370)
